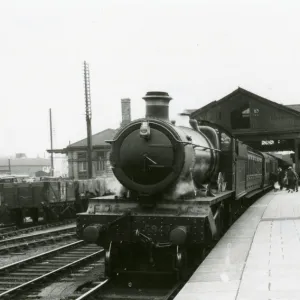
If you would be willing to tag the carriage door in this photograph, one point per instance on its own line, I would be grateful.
(241, 167)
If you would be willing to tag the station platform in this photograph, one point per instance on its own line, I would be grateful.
(258, 258)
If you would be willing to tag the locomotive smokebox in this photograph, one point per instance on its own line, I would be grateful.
(157, 105)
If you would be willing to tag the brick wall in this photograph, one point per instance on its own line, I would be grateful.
(126, 112)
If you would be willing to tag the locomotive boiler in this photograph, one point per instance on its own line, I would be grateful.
(159, 221)
(152, 156)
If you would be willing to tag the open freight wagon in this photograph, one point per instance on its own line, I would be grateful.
(47, 200)
(50, 200)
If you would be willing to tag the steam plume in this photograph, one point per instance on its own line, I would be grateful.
(114, 186)
(182, 188)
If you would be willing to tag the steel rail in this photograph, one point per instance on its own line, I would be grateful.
(165, 295)
(34, 236)
(34, 228)
(93, 290)
(6, 225)
(7, 229)
(173, 291)
(38, 256)
(36, 242)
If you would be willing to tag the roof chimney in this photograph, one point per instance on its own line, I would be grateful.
(126, 112)
(157, 105)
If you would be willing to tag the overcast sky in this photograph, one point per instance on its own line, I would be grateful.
(197, 51)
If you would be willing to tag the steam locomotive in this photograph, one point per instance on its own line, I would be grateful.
(181, 187)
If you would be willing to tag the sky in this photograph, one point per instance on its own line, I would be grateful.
(197, 51)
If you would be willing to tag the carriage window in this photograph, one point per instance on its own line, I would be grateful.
(225, 142)
(250, 164)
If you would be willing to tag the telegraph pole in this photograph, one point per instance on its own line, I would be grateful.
(9, 166)
(88, 115)
(51, 140)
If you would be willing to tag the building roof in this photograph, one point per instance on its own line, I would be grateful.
(294, 106)
(240, 90)
(98, 139)
(25, 162)
(189, 111)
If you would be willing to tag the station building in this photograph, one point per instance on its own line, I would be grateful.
(260, 123)
(77, 152)
(24, 166)
(77, 156)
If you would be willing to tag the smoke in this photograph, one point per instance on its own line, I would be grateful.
(183, 120)
(114, 186)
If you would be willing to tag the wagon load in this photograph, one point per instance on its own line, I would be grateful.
(89, 188)
(98, 186)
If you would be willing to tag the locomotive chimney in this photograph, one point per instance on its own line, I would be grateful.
(157, 105)
(126, 112)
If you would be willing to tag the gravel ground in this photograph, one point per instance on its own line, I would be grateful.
(26, 253)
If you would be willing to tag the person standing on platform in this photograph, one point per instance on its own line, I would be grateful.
(291, 179)
(274, 180)
(296, 180)
(281, 176)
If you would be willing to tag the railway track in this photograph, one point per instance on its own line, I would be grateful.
(100, 289)
(6, 225)
(105, 290)
(6, 229)
(26, 241)
(11, 231)
(50, 279)
(71, 286)
(23, 275)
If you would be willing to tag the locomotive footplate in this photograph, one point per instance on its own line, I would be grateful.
(162, 238)
(167, 223)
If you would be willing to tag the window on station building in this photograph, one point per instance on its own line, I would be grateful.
(82, 161)
(269, 142)
(82, 166)
(101, 160)
(81, 155)
(246, 113)
(240, 117)
(256, 112)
